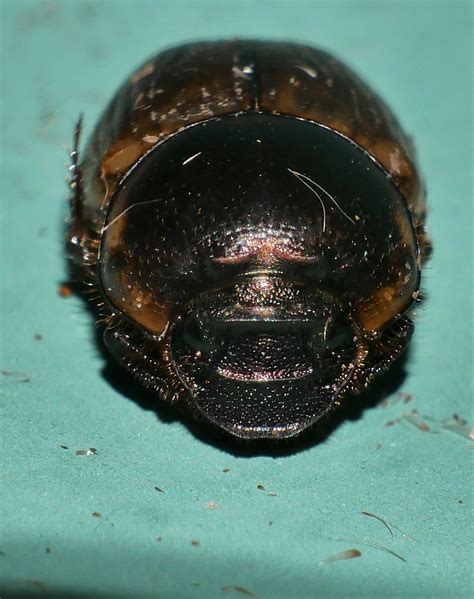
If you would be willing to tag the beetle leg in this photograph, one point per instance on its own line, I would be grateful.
(81, 243)
(76, 179)
(141, 358)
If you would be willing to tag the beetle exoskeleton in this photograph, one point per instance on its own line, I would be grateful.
(252, 216)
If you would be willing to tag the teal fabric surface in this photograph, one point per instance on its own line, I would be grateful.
(98, 525)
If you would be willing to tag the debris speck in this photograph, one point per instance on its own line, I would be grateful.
(83, 452)
(414, 419)
(150, 139)
(244, 73)
(191, 158)
(406, 397)
(237, 589)
(387, 550)
(158, 538)
(459, 419)
(195, 543)
(226, 470)
(97, 514)
(460, 427)
(456, 424)
(260, 487)
(65, 291)
(38, 337)
(211, 505)
(21, 377)
(294, 82)
(48, 550)
(384, 522)
(38, 584)
(308, 70)
(348, 554)
(159, 489)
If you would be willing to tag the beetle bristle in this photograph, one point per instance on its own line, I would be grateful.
(424, 242)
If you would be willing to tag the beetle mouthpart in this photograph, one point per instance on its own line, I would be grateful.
(264, 376)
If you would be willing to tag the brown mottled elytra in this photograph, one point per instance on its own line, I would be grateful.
(252, 218)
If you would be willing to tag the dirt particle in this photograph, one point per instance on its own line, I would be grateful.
(389, 551)
(232, 588)
(414, 419)
(86, 452)
(211, 505)
(38, 337)
(96, 514)
(47, 118)
(38, 584)
(64, 447)
(151, 139)
(20, 377)
(348, 554)
(460, 427)
(64, 290)
(48, 550)
(195, 543)
(459, 419)
(158, 539)
(226, 470)
(424, 427)
(159, 489)
(42, 15)
(260, 487)
(380, 519)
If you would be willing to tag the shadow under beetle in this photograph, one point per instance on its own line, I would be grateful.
(252, 217)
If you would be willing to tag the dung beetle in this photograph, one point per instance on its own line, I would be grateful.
(252, 218)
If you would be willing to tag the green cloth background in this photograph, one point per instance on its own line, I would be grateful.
(63, 58)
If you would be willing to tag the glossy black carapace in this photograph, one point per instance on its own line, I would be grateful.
(252, 217)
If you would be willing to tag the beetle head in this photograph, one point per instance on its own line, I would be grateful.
(264, 357)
